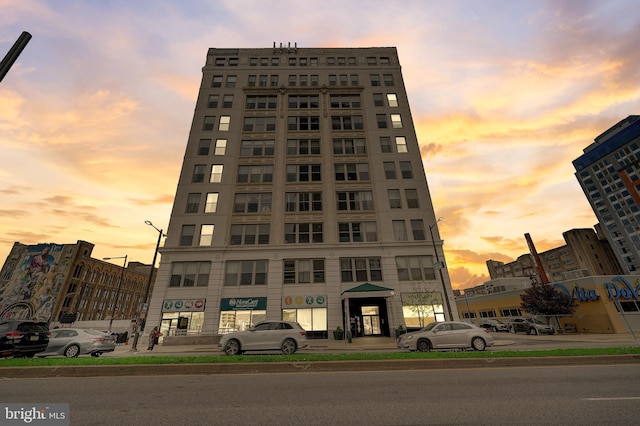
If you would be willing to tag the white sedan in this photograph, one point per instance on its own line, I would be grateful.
(446, 335)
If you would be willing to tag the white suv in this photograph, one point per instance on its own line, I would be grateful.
(284, 336)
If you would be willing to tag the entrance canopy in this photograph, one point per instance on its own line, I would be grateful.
(367, 290)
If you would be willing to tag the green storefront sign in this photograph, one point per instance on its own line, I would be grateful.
(243, 303)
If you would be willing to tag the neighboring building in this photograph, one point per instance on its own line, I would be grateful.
(302, 196)
(586, 253)
(609, 174)
(63, 283)
(605, 304)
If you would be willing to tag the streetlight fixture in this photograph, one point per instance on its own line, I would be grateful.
(145, 305)
(115, 301)
(439, 266)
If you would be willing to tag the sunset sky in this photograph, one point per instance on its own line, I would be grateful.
(95, 114)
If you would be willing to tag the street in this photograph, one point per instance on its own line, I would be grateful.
(518, 395)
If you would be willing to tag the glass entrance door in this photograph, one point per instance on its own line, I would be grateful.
(371, 320)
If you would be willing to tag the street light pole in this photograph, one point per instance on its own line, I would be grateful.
(115, 301)
(145, 306)
(440, 266)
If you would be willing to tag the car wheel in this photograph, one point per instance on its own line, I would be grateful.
(232, 347)
(72, 351)
(494, 329)
(288, 347)
(478, 344)
(533, 331)
(424, 346)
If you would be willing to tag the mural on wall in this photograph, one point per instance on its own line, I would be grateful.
(33, 285)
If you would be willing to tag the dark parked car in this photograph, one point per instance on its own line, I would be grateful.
(23, 338)
(493, 325)
(530, 326)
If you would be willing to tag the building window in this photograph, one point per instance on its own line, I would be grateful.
(231, 81)
(303, 271)
(261, 102)
(349, 146)
(203, 146)
(396, 121)
(245, 272)
(399, 230)
(304, 173)
(262, 80)
(360, 269)
(227, 101)
(259, 124)
(252, 203)
(303, 101)
(401, 144)
(388, 79)
(273, 81)
(209, 122)
(198, 172)
(303, 233)
(186, 235)
(345, 101)
(302, 124)
(411, 195)
(355, 81)
(224, 123)
(392, 100)
(303, 147)
(354, 200)
(220, 62)
(255, 174)
(375, 80)
(333, 80)
(216, 173)
(217, 81)
(315, 80)
(251, 82)
(371, 60)
(357, 232)
(189, 274)
(389, 169)
(303, 201)
(378, 99)
(417, 227)
(211, 205)
(415, 268)
(394, 199)
(381, 119)
(193, 203)
(406, 170)
(257, 148)
(385, 144)
(250, 234)
(221, 147)
(293, 80)
(351, 172)
(206, 235)
(213, 101)
(347, 122)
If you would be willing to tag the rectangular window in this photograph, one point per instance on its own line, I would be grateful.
(251, 82)
(401, 144)
(406, 170)
(213, 101)
(349, 146)
(252, 203)
(206, 235)
(381, 119)
(261, 102)
(351, 172)
(354, 200)
(186, 235)
(198, 173)
(262, 80)
(221, 147)
(303, 123)
(378, 99)
(273, 81)
(385, 144)
(304, 80)
(216, 173)
(344, 101)
(227, 101)
(375, 80)
(303, 271)
(357, 232)
(411, 195)
(231, 81)
(211, 205)
(388, 79)
(303, 202)
(257, 148)
(396, 121)
(188, 274)
(360, 269)
(259, 124)
(304, 173)
(303, 147)
(394, 198)
(399, 230)
(193, 203)
(255, 174)
(293, 80)
(250, 234)
(304, 101)
(347, 122)
(417, 227)
(245, 272)
(392, 100)
(389, 169)
(217, 81)
(415, 268)
(303, 233)
(208, 122)
(333, 80)
(355, 81)
(203, 146)
(224, 123)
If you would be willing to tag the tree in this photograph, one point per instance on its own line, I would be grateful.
(543, 299)
(421, 302)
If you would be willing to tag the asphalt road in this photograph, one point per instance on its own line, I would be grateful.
(585, 395)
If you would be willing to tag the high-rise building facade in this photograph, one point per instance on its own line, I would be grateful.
(302, 197)
(609, 174)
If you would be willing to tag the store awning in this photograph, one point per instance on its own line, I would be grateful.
(367, 290)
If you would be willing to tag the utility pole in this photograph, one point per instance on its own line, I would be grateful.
(13, 53)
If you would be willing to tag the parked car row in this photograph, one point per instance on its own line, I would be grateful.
(529, 326)
(26, 339)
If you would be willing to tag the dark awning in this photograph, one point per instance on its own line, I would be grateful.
(367, 290)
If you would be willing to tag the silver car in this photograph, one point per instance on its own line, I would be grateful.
(284, 336)
(446, 335)
(72, 342)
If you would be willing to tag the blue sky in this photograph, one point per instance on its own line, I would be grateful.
(95, 114)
